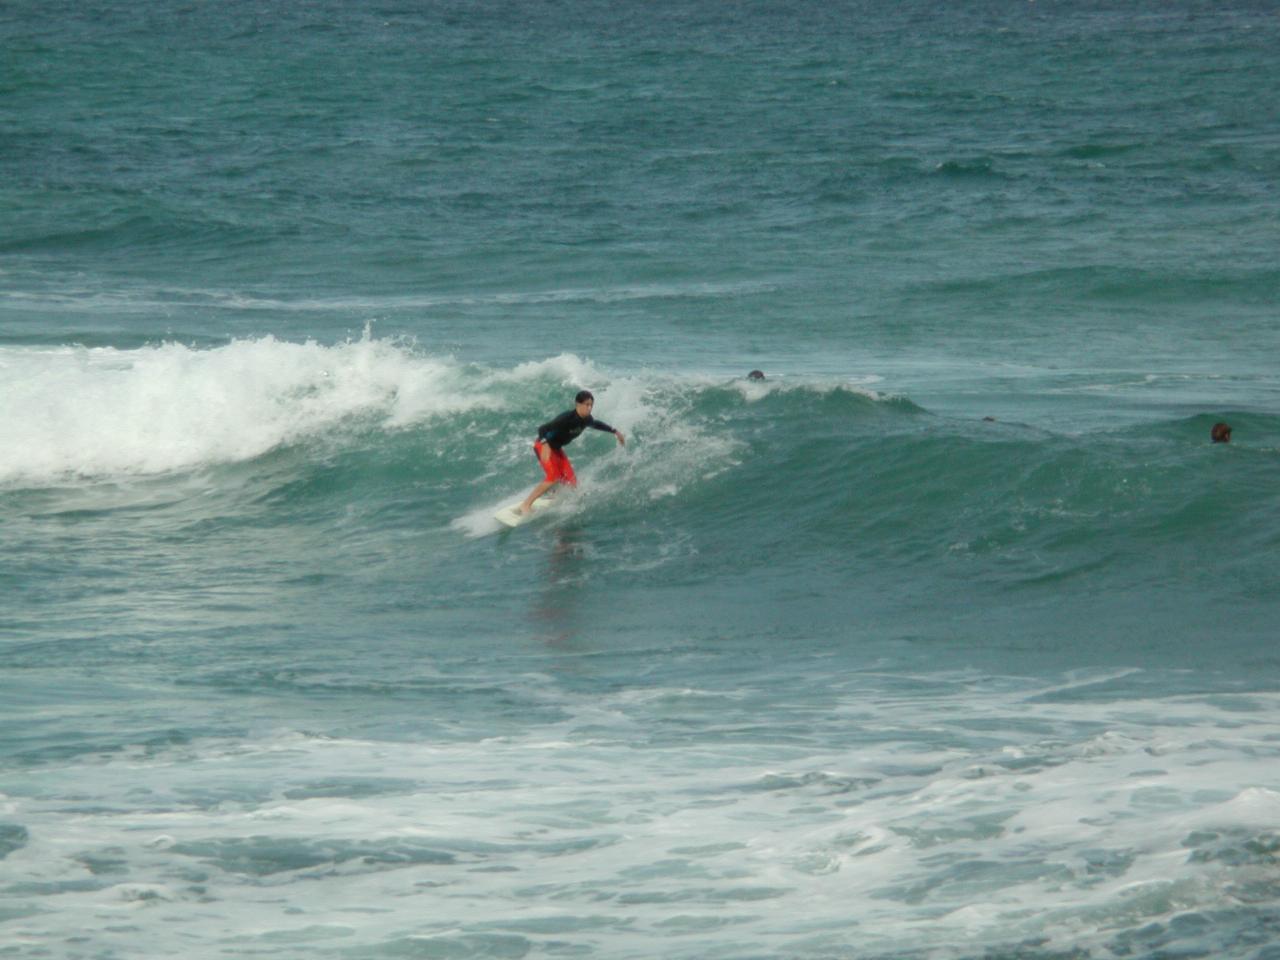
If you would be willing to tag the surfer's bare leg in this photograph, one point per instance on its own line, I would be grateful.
(537, 491)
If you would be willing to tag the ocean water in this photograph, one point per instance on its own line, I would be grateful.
(952, 639)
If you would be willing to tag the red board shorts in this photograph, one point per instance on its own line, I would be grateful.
(557, 467)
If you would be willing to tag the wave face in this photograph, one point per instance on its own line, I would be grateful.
(858, 500)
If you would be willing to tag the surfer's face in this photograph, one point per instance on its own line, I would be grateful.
(584, 408)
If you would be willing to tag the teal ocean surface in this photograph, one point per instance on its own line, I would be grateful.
(954, 638)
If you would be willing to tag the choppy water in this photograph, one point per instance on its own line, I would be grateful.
(953, 638)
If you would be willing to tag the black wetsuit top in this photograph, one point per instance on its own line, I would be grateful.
(566, 428)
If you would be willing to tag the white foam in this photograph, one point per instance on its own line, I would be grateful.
(878, 844)
(74, 411)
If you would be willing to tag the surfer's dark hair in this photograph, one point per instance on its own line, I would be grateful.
(583, 396)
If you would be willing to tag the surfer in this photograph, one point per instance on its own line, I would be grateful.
(555, 435)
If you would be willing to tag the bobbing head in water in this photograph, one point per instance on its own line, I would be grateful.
(755, 375)
(1221, 433)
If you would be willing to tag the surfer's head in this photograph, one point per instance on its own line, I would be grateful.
(583, 402)
(1221, 433)
(755, 375)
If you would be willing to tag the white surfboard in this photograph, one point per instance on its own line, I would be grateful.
(510, 515)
